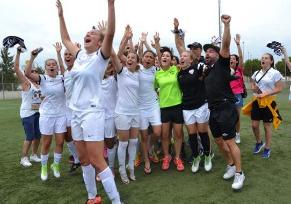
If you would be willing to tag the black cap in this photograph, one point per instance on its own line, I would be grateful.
(207, 46)
(10, 41)
(195, 45)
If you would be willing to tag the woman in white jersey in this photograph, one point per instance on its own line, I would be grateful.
(265, 83)
(148, 104)
(127, 113)
(30, 100)
(88, 114)
(69, 61)
(52, 119)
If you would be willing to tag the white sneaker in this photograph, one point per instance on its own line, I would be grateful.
(131, 175)
(238, 181)
(34, 158)
(230, 172)
(195, 164)
(25, 162)
(237, 138)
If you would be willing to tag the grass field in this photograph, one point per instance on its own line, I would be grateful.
(267, 181)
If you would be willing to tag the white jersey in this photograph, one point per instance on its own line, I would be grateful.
(267, 83)
(87, 75)
(127, 97)
(109, 96)
(68, 83)
(148, 99)
(53, 91)
(28, 99)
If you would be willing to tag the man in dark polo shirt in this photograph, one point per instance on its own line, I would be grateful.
(221, 101)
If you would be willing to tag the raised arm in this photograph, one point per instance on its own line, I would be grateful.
(108, 38)
(18, 72)
(224, 51)
(143, 40)
(127, 36)
(58, 47)
(64, 32)
(180, 44)
(158, 46)
(115, 61)
(239, 50)
(286, 58)
(33, 77)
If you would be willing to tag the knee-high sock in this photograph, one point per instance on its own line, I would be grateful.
(90, 180)
(111, 156)
(132, 152)
(44, 159)
(193, 142)
(121, 152)
(57, 158)
(205, 142)
(109, 185)
(73, 151)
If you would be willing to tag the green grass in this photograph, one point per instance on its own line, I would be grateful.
(267, 181)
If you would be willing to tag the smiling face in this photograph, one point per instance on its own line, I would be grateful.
(51, 67)
(131, 61)
(267, 61)
(148, 59)
(93, 41)
(211, 56)
(69, 59)
(233, 61)
(166, 59)
(186, 59)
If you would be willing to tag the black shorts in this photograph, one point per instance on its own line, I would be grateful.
(172, 114)
(263, 114)
(223, 119)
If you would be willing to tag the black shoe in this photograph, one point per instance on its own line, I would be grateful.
(74, 167)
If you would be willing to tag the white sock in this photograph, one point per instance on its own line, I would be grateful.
(73, 151)
(109, 185)
(121, 152)
(57, 158)
(44, 159)
(111, 156)
(132, 152)
(90, 180)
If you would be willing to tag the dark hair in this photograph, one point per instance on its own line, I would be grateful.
(272, 58)
(177, 59)
(149, 51)
(167, 49)
(237, 59)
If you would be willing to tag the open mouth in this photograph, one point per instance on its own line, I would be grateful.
(87, 40)
(52, 70)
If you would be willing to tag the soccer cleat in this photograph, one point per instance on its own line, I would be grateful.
(34, 158)
(154, 157)
(166, 163)
(237, 138)
(258, 147)
(195, 164)
(179, 164)
(43, 174)
(137, 161)
(74, 167)
(124, 178)
(230, 172)
(266, 153)
(96, 200)
(131, 174)
(56, 170)
(238, 181)
(207, 163)
(25, 162)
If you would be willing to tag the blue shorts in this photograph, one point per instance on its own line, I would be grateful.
(31, 127)
(240, 102)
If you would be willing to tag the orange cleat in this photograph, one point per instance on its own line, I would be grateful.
(96, 200)
(179, 164)
(166, 163)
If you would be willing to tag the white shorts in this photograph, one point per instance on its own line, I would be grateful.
(50, 125)
(88, 126)
(148, 117)
(110, 129)
(69, 116)
(125, 122)
(199, 115)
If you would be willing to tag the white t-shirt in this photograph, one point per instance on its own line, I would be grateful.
(54, 92)
(68, 83)
(28, 98)
(148, 98)
(87, 75)
(267, 83)
(127, 97)
(109, 96)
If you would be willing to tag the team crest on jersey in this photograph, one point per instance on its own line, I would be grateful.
(191, 71)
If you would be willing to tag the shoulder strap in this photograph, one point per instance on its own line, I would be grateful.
(257, 81)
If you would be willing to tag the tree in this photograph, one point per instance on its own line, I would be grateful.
(250, 66)
(280, 65)
(7, 72)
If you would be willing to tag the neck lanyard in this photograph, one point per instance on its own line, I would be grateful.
(257, 81)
